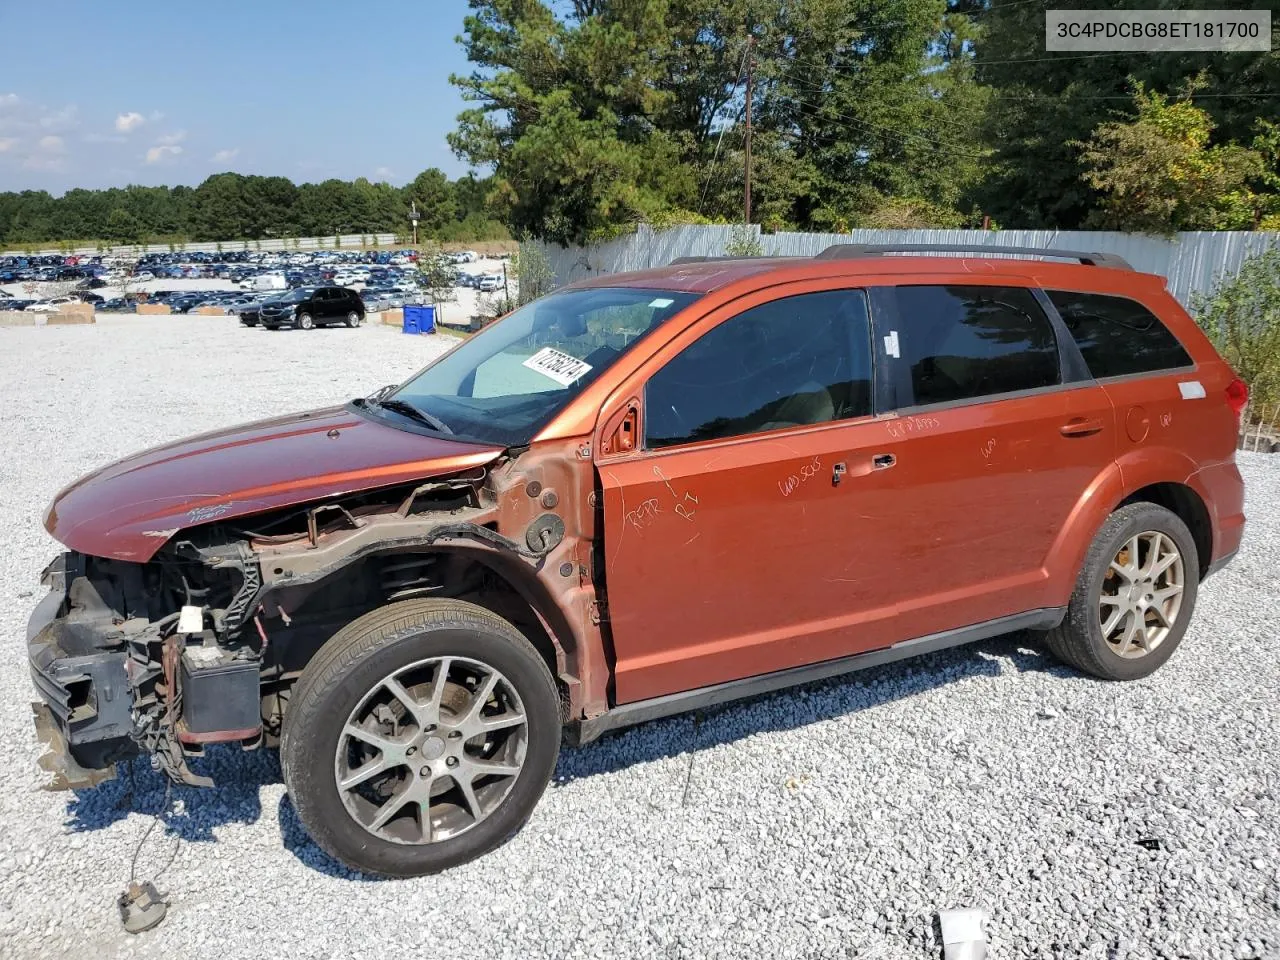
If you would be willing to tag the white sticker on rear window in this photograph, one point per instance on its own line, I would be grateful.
(1191, 390)
(891, 343)
(560, 367)
(661, 302)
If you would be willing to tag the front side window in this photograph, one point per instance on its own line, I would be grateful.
(501, 385)
(1118, 336)
(787, 363)
(966, 342)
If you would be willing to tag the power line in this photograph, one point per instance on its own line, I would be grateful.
(720, 139)
(897, 134)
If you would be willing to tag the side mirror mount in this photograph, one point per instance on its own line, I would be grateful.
(622, 432)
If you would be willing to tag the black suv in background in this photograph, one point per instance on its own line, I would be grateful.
(304, 309)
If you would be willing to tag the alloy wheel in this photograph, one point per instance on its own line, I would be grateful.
(431, 750)
(1141, 594)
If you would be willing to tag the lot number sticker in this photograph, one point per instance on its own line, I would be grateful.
(560, 367)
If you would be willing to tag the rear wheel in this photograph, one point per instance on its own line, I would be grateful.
(353, 319)
(420, 737)
(1134, 597)
(305, 322)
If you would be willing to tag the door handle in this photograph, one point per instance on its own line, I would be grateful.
(883, 461)
(1081, 427)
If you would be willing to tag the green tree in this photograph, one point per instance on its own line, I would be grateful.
(122, 227)
(433, 194)
(1242, 318)
(1159, 174)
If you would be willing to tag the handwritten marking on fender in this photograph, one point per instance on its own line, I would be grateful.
(1166, 419)
(644, 514)
(201, 514)
(904, 426)
(807, 472)
(988, 448)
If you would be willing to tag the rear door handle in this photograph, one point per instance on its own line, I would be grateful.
(882, 461)
(1081, 427)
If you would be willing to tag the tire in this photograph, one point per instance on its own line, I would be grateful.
(271, 326)
(353, 319)
(1079, 640)
(304, 321)
(343, 685)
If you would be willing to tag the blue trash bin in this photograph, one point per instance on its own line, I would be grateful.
(419, 318)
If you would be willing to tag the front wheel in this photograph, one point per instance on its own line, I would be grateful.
(419, 737)
(353, 319)
(305, 322)
(1134, 596)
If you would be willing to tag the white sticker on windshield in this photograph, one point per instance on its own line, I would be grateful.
(661, 302)
(560, 367)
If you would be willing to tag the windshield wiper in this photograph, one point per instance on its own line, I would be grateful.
(413, 413)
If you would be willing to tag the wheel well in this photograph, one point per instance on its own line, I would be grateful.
(378, 579)
(1180, 499)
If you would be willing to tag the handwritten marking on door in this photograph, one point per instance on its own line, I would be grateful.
(904, 426)
(644, 514)
(807, 472)
(682, 508)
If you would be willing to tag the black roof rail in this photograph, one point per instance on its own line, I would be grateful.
(853, 251)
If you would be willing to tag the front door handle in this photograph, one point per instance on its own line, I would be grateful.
(1081, 427)
(883, 461)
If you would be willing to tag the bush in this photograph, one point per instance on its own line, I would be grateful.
(1242, 318)
(744, 242)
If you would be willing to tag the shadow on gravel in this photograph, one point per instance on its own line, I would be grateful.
(193, 812)
(801, 706)
(298, 842)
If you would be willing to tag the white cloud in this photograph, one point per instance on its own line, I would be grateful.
(59, 119)
(52, 144)
(225, 156)
(383, 173)
(171, 138)
(7, 144)
(8, 99)
(162, 152)
(127, 122)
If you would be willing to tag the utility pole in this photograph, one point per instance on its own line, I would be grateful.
(746, 188)
(414, 217)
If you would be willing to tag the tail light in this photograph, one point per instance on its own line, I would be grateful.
(1237, 396)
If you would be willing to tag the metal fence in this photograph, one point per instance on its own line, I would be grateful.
(346, 241)
(1190, 262)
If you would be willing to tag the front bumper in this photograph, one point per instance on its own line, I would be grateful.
(84, 716)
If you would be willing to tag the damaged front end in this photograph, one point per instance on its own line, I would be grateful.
(203, 642)
(111, 665)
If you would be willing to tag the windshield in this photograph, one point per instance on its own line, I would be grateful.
(504, 383)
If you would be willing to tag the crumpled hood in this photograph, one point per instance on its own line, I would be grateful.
(129, 509)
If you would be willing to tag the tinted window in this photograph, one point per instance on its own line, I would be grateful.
(794, 361)
(965, 342)
(1118, 336)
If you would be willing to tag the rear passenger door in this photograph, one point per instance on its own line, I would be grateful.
(999, 434)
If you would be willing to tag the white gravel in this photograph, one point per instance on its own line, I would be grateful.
(831, 821)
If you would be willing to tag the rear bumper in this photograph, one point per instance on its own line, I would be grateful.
(1222, 489)
(84, 715)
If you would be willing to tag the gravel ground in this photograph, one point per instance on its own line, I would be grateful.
(831, 821)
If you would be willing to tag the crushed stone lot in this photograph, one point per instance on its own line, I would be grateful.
(1089, 819)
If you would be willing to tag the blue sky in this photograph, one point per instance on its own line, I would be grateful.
(171, 91)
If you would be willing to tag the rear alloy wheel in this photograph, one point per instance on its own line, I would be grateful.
(419, 737)
(305, 322)
(1134, 597)
(353, 319)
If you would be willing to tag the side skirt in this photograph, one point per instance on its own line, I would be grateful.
(641, 711)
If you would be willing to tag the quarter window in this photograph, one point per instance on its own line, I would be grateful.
(790, 362)
(965, 342)
(1118, 336)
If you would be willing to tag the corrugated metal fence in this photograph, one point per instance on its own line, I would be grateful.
(1190, 262)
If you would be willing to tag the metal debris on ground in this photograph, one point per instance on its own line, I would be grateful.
(141, 907)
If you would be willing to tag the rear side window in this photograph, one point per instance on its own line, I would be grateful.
(965, 342)
(787, 363)
(1118, 336)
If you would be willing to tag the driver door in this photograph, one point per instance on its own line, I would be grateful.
(743, 535)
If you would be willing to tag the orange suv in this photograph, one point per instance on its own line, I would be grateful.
(640, 495)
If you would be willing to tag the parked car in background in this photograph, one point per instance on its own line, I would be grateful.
(50, 305)
(307, 309)
(490, 282)
(117, 305)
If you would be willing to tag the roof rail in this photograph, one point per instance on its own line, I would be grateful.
(853, 251)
